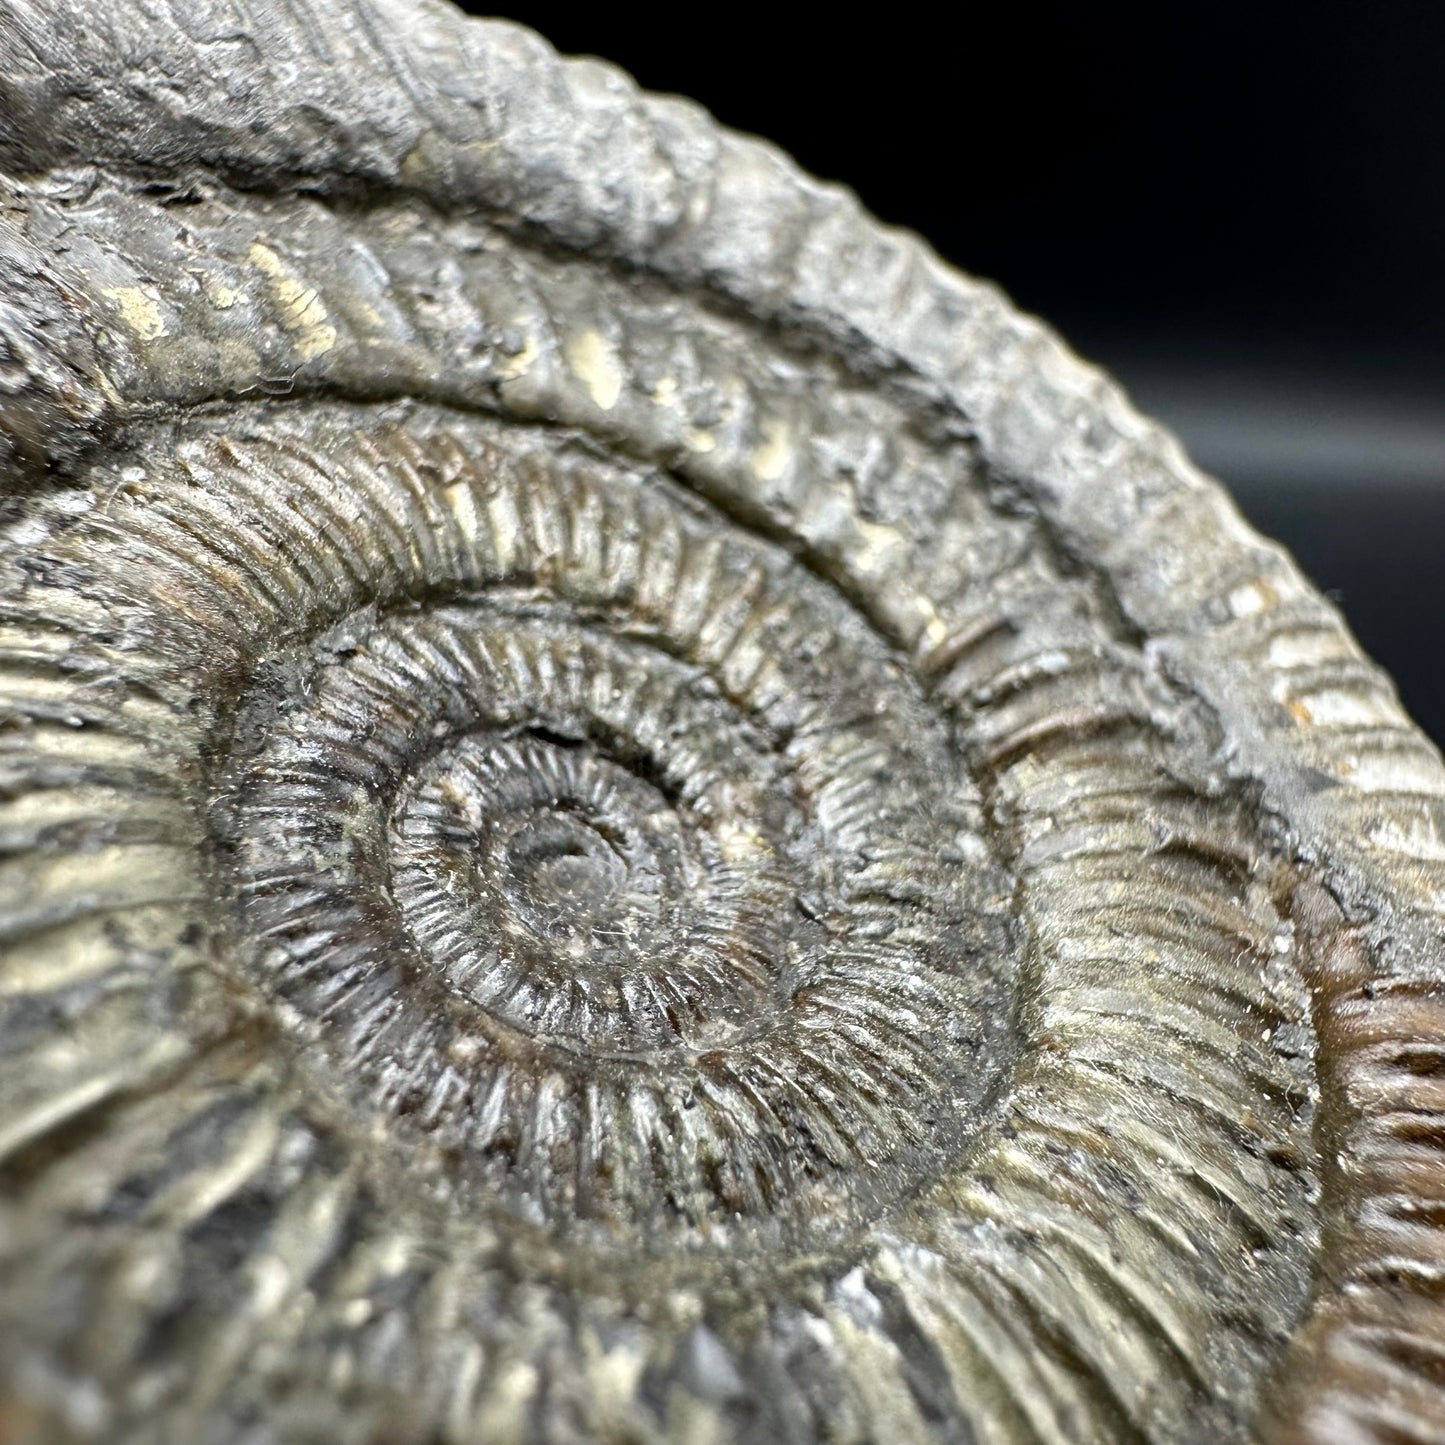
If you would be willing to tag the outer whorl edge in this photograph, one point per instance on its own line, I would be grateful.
(632, 812)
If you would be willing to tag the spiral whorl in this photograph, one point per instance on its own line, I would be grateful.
(630, 812)
(615, 828)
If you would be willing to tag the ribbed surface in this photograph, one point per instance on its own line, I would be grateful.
(390, 647)
(965, 650)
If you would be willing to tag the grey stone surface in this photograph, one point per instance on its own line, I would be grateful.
(633, 812)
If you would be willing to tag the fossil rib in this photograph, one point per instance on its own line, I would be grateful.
(632, 812)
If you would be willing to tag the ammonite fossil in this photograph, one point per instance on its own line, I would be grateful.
(631, 812)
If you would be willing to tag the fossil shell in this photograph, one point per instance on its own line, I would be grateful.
(632, 812)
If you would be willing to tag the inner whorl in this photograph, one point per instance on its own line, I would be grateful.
(634, 811)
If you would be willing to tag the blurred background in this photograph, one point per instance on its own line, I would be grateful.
(1239, 210)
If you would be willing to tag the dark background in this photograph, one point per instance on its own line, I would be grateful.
(1240, 210)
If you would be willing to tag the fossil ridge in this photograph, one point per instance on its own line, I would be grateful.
(632, 811)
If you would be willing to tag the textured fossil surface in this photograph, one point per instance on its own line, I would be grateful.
(631, 812)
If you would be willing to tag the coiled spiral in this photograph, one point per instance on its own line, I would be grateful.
(632, 813)
(607, 840)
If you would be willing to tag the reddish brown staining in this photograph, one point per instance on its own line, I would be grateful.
(1383, 1051)
(1369, 1363)
(1375, 1396)
(1397, 1047)
(1334, 954)
(25, 1423)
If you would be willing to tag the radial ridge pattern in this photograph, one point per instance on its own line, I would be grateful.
(628, 812)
